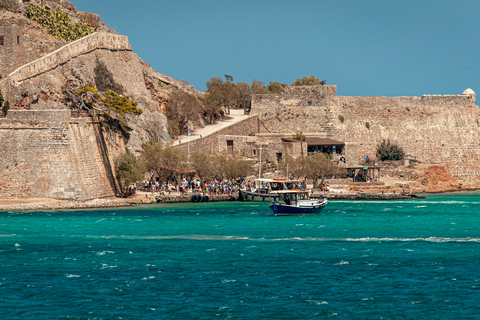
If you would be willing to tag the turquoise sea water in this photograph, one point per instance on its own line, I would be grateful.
(357, 260)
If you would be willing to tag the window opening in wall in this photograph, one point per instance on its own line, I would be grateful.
(229, 145)
(18, 39)
(2, 40)
(254, 152)
(279, 156)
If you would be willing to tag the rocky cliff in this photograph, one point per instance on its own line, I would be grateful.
(72, 159)
(39, 83)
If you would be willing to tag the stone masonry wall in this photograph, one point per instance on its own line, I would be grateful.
(211, 143)
(90, 43)
(46, 154)
(435, 129)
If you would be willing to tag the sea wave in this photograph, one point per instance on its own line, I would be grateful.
(409, 201)
(361, 239)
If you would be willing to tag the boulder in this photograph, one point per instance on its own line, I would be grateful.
(92, 19)
(69, 6)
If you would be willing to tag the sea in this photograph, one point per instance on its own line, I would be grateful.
(408, 259)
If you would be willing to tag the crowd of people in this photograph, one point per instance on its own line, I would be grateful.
(188, 185)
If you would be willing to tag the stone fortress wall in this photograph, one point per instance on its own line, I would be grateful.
(435, 129)
(25, 40)
(46, 153)
(90, 43)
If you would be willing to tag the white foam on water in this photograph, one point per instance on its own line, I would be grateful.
(102, 253)
(261, 239)
(72, 276)
(317, 302)
(229, 281)
(341, 263)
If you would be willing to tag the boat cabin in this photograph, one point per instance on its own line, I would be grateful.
(265, 186)
(292, 197)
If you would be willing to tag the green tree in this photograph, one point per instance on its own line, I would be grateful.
(236, 166)
(182, 107)
(1, 99)
(276, 87)
(258, 87)
(389, 151)
(318, 166)
(220, 95)
(308, 81)
(291, 167)
(128, 168)
(162, 160)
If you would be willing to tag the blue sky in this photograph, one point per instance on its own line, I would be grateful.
(366, 48)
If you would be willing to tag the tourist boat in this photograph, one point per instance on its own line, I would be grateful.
(267, 190)
(295, 203)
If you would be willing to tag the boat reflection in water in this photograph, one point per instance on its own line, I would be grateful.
(267, 190)
(297, 202)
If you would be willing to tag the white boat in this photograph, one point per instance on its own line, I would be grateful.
(297, 202)
(267, 190)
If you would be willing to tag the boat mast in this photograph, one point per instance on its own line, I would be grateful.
(260, 163)
(303, 163)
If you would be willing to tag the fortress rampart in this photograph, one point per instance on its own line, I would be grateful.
(433, 128)
(90, 43)
(48, 154)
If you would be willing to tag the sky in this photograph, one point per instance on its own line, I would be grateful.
(365, 48)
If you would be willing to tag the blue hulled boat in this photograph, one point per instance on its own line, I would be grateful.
(297, 202)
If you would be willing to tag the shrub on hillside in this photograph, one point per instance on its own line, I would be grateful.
(389, 151)
(58, 23)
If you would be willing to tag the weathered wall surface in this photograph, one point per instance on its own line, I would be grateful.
(436, 129)
(48, 154)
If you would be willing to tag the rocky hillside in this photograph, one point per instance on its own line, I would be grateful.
(45, 83)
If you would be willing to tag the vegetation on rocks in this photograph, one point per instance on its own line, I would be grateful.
(109, 105)
(58, 23)
(298, 136)
(389, 151)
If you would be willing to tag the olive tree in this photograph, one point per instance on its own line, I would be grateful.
(128, 169)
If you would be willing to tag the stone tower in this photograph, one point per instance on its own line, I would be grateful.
(11, 49)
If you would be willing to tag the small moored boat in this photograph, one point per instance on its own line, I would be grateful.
(297, 202)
